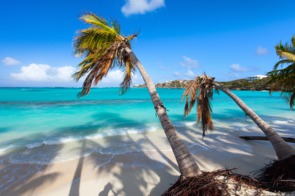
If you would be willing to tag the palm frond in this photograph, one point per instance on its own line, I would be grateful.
(97, 70)
(289, 98)
(281, 62)
(204, 112)
(93, 39)
(103, 48)
(96, 21)
(292, 99)
(191, 95)
(288, 55)
(217, 90)
(129, 70)
(85, 69)
(204, 109)
(283, 79)
(201, 89)
(116, 27)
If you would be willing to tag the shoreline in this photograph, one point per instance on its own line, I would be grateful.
(148, 171)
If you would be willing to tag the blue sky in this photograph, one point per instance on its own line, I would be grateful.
(228, 39)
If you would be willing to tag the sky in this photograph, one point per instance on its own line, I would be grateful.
(226, 39)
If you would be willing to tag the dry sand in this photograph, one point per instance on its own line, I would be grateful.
(149, 171)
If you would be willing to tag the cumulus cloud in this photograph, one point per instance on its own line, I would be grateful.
(189, 62)
(238, 68)
(43, 72)
(141, 6)
(261, 51)
(115, 77)
(10, 61)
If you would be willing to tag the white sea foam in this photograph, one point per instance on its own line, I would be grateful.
(34, 145)
(280, 122)
(63, 140)
(33, 153)
(3, 150)
(103, 134)
(185, 124)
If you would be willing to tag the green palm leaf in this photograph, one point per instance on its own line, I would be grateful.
(103, 48)
(98, 22)
(283, 79)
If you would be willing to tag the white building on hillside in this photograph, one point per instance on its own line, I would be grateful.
(256, 77)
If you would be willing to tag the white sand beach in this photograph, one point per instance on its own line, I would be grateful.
(148, 170)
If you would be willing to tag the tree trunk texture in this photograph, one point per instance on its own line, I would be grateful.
(282, 149)
(187, 165)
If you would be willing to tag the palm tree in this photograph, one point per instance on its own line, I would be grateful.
(104, 49)
(284, 79)
(204, 85)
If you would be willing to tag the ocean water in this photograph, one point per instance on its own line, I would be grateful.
(37, 125)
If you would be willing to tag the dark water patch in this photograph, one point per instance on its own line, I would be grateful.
(4, 130)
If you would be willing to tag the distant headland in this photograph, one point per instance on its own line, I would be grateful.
(240, 84)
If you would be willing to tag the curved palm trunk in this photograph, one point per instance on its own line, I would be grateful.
(187, 165)
(282, 149)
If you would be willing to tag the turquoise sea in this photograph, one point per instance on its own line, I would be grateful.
(34, 119)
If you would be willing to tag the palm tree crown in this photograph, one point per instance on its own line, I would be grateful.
(102, 45)
(284, 78)
(203, 86)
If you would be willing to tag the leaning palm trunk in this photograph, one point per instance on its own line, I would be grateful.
(187, 165)
(104, 48)
(282, 149)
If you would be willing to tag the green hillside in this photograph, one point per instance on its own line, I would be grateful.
(241, 84)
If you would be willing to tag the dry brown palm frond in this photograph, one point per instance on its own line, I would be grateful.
(201, 89)
(191, 96)
(204, 109)
(278, 175)
(216, 183)
(99, 69)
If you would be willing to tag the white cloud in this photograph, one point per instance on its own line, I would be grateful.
(176, 73)
(261, 51)
(238, 68)
(190, 74)
(10, 61)
(115, 77)
(141, 6)
(42, 72)
(189, 62)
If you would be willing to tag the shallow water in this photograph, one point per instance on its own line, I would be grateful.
(55, 121)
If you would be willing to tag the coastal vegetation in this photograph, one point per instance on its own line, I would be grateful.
(104, 48)
(239, 84)
(282, 77)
